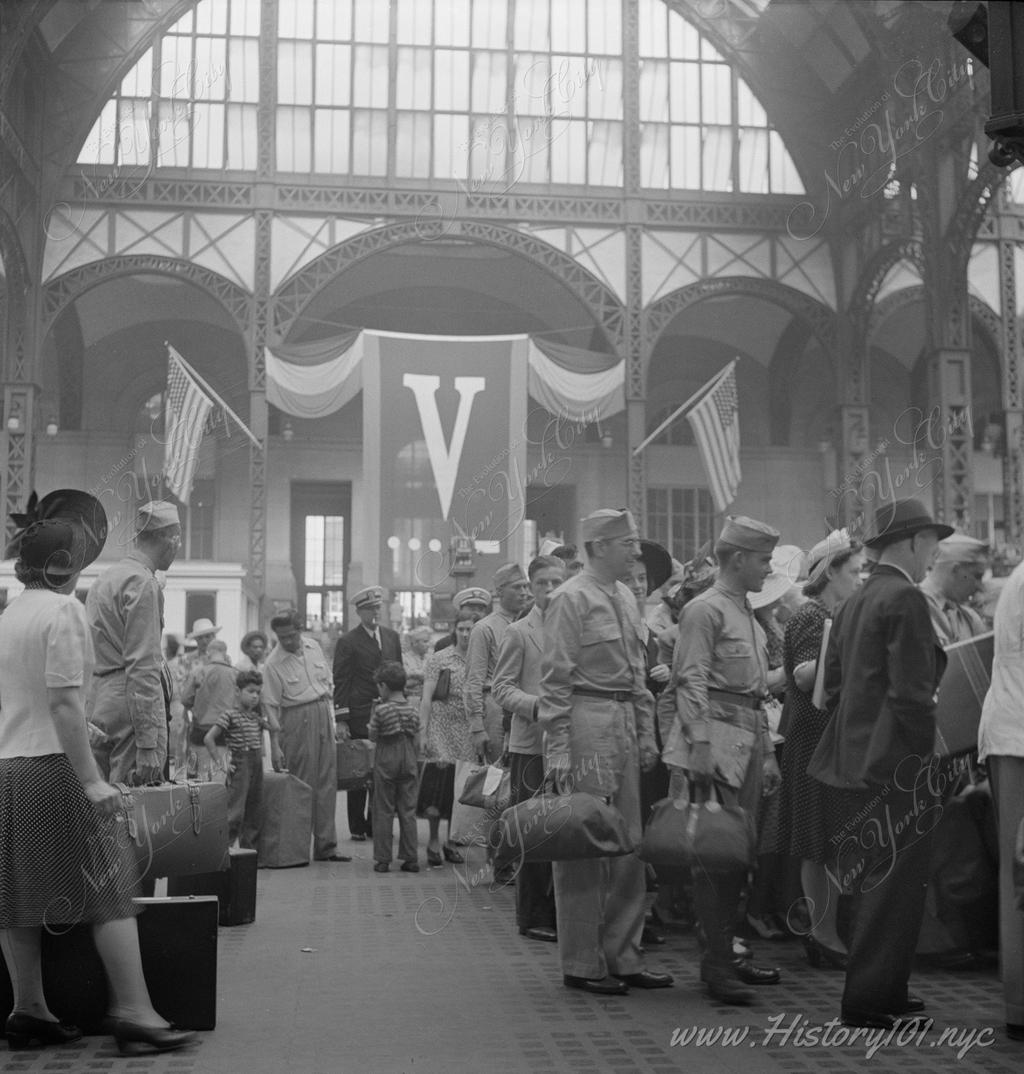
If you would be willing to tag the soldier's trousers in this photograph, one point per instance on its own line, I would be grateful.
(307, 737)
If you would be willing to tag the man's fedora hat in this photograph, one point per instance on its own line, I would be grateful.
(60, 534)
(902, 519)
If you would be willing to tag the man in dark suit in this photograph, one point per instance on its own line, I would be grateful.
(882, 669)
(357, 656)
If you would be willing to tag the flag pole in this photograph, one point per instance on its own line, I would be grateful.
(209, 391)
(702, 390)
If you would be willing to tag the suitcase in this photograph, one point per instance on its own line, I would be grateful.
(962, 690)
(235, 887)
(177, 828)
(286, 821)
(178, 940)
(355, 763)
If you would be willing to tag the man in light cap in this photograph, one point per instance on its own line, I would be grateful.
(598, 722)
(720, 737)
(357, 656)
(956, 574)
(882, 669)
(131, 691)
(475, 598)
(484, 714)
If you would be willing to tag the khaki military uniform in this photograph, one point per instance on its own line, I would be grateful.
(597, 713)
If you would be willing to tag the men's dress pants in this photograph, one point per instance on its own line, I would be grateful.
(116, 756)
(307, 736)
(600, 901)
(883, 858)
(245, 790)
(359, 802)
(1007, 775)
(535, 893)
(716, 895)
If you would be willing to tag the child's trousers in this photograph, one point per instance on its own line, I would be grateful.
(394, 792)
(245, 790)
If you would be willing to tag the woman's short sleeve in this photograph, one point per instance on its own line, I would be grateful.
(68, 646)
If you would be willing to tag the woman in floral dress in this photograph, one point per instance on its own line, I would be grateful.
(446, 736)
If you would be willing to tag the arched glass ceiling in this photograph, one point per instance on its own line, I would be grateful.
(484, 91)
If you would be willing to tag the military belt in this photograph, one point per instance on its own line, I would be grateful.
(730, 698)
(604, 695)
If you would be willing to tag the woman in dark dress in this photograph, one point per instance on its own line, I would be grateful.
(811, 812)
(63, 856)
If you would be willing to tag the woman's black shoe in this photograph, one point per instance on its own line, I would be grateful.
(133, 1039)
(453, 855)
(820, 955)
(22, 1029)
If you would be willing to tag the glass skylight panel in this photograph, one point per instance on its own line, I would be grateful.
(490, 23)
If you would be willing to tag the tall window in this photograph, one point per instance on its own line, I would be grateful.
(190, 102)
(700, 126)
(320, 514)
(680, 519)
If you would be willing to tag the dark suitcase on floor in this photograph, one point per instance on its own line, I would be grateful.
(178, 939)
(286, 821)
(235, 887)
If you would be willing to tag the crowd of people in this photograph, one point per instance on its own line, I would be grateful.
(794, 688)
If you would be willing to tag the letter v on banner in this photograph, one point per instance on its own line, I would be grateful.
(444, 457)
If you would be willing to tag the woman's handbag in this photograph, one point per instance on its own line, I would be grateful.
(487, 787)
(560, 827)
(177, 829)
(706, 835)
(443, 685)
(355, 763)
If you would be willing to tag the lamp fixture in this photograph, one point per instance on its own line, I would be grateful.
(52, 428)
(14, 418)
(606, 438)
(287, 432)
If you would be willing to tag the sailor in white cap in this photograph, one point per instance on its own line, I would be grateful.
(131, 688)
(720, 734)
(357, 656)
(476, 599)
(598, 721)
(956, 574)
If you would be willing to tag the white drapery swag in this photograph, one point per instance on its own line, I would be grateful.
(312, 380)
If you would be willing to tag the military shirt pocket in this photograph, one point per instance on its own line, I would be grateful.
(736, 650)
(600, 630)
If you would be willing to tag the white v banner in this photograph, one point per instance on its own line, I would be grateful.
(444, 458)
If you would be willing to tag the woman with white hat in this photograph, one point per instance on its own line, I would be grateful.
(810, 811)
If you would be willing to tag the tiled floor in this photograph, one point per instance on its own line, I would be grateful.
(346, 970)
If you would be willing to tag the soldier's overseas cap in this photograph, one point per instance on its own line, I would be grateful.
(473, 595)
(607, 524)
(155, 515)
(510, 574)
(959, 548)
(369, 597)
(748, 534)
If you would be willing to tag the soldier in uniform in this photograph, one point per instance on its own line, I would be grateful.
(474, 598)
(483, 712)
(720, 735)
(598, 721)
(956, 574)
(125, 608)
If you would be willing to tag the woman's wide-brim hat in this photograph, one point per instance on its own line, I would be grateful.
(787, 563)
(902, 519)
(61, 534)
(658, 563)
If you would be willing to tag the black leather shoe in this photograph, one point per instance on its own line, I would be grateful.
(335, 857)
(540, 932)
(410, 867)
(728, 990)
(868, 1019)
(752, 974)
(382, 867)
(651, 938)
(606, 986)
(452, 856)
(22, 1029)
(646, 979)
(914, 1005)
(133, 1039)
(358, 837)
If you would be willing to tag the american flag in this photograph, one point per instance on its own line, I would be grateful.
(185, 422)
(716, 427)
